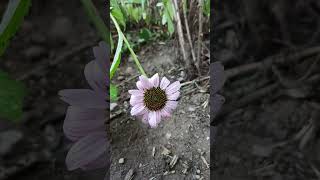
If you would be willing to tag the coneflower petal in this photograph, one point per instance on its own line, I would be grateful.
(154, 119)
(138, 109)
(164, 83)
(145, 82)
(174, 87)
(136, 92)
(95, 77)
(134, 100)
(81, 121)
(171, 105)
(140, 86)
(174, 96)
(154, 80)
(83, 98)
(86, 150)
(218, 77)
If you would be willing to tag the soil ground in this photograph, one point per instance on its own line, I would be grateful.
(268, 128)
(186, 134)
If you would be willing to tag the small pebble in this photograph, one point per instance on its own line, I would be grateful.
(168, 135)
(34, 52)
(153, 151)
(191, 108)
(120, 78)
(129, 70)
(121, 160)
(165, 151)
(112, 106)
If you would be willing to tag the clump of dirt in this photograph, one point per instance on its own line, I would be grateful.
(184, 138)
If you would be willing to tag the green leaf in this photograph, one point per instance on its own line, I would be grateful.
(136, 14)
(117, 55)
(169, 15)
(97, 21)
(170, 23)
(206, 8)
(11, 20)
(117, 13)
(113, 93)
(145, 34)
(11, 97)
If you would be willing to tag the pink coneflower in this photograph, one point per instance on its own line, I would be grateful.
(86, 116)
(154, 99)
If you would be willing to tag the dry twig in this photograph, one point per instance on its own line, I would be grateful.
(200, 31)
(180, 32)
(189, 38)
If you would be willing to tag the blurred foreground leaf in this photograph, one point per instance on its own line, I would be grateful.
(11, 20)
(11, 97)
(113, 93)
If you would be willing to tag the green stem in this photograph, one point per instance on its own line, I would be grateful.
(96, 20)
(134, 56)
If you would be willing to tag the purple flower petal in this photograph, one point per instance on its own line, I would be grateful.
(80, 122)
(95, 77)
(140, 86)
(174, 96)
(154, 119)
(86, 150)
(217, 77)
(144, 117)
(164, 83)
(174, 87)
(213, 134)
(136, 92)
(145, 82)
(171, 105)
(165, 112)
(83, 98)
(154, 80)
(134, 100)
(100, 162)
(101, 54)
(216, 101)
(138, 109)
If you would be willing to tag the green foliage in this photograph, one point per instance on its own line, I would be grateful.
(117, 55)
(11, 20)
(206, 8)
(168, 15)
(113, 93)
(97, 21)
(145, 35)
(128, 12)
(11, 97)
(117, 13)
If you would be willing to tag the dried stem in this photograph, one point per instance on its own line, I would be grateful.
(189, 37)
(200, 31)
(180, 32)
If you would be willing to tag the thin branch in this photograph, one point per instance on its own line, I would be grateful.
(189, 36)
(200, 31)
(180, 32)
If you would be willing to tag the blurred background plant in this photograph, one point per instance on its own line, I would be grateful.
(12, 92)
